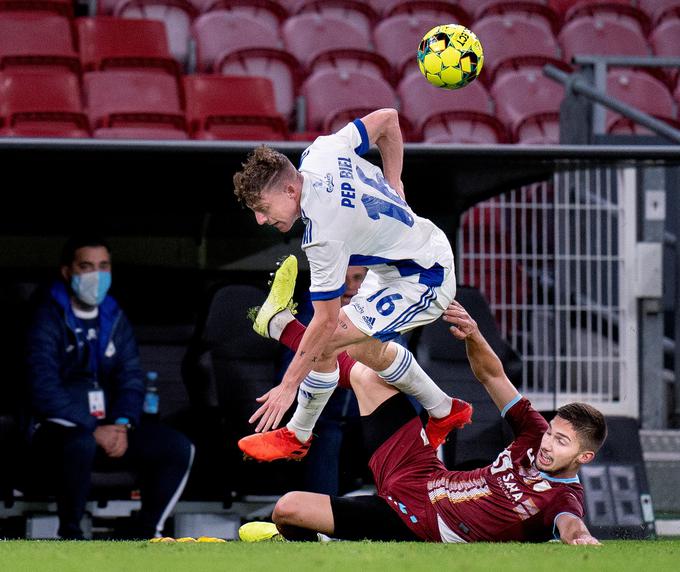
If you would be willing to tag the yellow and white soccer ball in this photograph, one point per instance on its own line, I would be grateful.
(450, 56)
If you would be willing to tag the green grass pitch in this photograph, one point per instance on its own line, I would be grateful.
(99, 556)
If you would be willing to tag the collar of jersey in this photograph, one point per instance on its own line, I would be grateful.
(547, 477)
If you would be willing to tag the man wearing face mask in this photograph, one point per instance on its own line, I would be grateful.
(86, 393)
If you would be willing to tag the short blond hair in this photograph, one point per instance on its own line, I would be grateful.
(263, 168)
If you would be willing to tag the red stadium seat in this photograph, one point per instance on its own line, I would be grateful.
(154, 133)
(533, 10)
(446, 12)
(399, 37)
(119, 43)
(659, 10)
(267, 12)
(232, 107)
(595, 36)
(329, 93)
(464, 127)
(236, 44)
(475, 8)
(61, 7)
(641, 91)
(561, 7)
(665, 40)
(30, 39)
(610, 12)
(133, 98)
(222, 31)
(511, 40)
(525, 96)
(41, 103)
(331, 42)
(421, 101)
(442, 116)
(177, 16)
(358, 14)
(539, 129)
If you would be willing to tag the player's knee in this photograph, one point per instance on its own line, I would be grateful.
(287, 508)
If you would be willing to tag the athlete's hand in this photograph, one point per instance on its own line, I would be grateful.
(463, 325)
(275, 403)
(585, 539)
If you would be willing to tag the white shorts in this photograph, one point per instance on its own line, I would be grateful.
(389, 303)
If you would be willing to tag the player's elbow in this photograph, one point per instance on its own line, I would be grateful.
(287, 509)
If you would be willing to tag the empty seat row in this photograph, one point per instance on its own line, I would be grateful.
(137, 104)
(521, 107)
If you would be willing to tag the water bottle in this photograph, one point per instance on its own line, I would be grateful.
(151, 398)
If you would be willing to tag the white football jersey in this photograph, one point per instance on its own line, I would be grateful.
(353, 217)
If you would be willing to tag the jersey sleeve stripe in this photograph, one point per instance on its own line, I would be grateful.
(365, 142)
(509, 405)
(330, 295)
(556, 533)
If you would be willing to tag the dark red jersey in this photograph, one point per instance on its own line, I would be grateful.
(509, 500)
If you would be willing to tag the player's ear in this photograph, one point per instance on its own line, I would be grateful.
(585, 457)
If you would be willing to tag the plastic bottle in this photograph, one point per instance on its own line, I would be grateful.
(151, 398)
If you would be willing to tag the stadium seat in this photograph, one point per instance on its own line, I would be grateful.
(232, 107)
(226, 367)
(221, 32)
(539, 129)
(444, 359)
(596, 36)
(523, 97)
(465, 128)
(665, 42)
(609, 11)
(512, 40)
(475, 8)
(445, 12)
(534, 11)
(641, 91)
(421, 102)
(41, 103)
(321, 42)
(133, 99)
(329, 94)
(36, 39)
(176, 15)
(267, 12)
(399, 37)
(231, 43)
(61, 7)
(359, 14)
(659, 10)
(107, 42)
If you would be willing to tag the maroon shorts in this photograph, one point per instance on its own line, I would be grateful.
(402, 467)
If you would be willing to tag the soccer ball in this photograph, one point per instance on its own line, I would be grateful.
(450, 56)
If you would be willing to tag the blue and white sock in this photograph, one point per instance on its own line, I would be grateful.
(313, 394)
(408, 377)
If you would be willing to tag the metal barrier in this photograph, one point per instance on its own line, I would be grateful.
(554, 260)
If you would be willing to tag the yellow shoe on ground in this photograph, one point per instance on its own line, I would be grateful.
(259, 532)
(209, 539)
(280, 296)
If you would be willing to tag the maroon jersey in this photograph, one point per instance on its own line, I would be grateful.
(509, 500)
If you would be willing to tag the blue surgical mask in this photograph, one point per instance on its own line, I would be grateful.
(91, 288)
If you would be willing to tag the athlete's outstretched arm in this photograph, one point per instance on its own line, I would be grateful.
(573, 530)
(485, 364)
(383, 130)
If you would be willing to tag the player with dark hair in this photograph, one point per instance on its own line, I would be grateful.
(530, 493)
